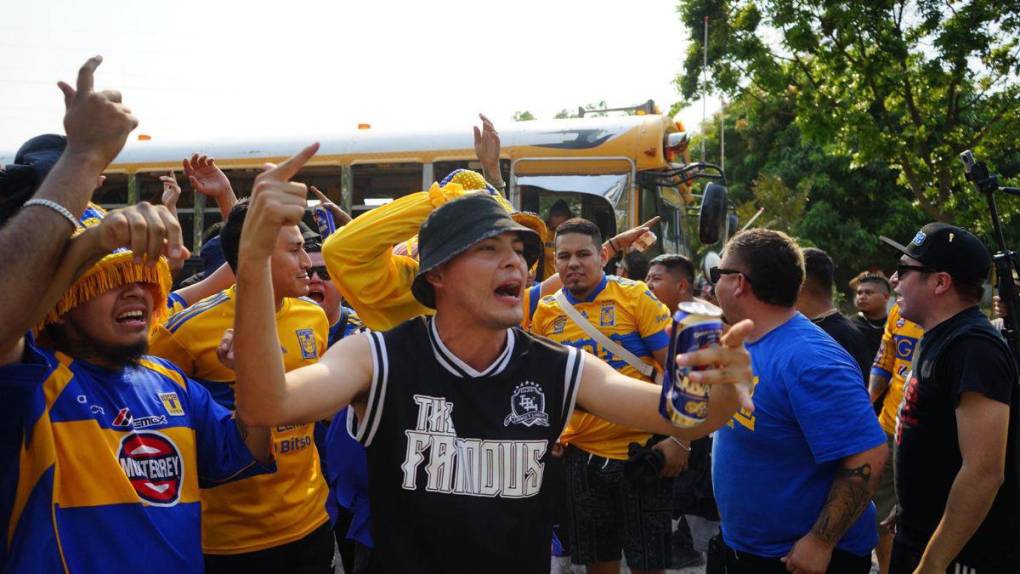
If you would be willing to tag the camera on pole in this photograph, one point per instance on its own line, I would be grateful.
(1006, 261)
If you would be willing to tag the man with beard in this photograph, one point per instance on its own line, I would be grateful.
(458, 410)
(103, 448)
(244, 527)
(608, 513)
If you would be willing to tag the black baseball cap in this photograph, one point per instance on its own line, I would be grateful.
(456, 226)
(944, 247)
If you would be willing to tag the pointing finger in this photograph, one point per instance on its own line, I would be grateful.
(293, 164)
(651, 222)
(318, 194)
(86, 74)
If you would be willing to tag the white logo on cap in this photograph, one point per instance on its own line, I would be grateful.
(919, 238)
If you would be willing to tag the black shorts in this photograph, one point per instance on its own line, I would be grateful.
(609, 515)
(312, 554)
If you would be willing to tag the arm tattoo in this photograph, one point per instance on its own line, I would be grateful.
(848, 497)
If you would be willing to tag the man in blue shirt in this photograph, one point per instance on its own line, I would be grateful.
(794, 478)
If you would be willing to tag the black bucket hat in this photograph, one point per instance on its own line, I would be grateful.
(944, 247)
(456, 226)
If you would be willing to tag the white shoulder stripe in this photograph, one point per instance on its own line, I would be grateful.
(383, 381)
(571, 383)
(365, 428)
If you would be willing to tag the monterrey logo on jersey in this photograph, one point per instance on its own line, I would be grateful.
(153, 464)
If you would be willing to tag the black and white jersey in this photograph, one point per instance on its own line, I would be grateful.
(457, 457)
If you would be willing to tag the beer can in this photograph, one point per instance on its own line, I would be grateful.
(696, 325)
(324, 221)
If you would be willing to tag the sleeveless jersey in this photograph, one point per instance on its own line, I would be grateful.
(268, 510)
(627, 313)
(100, 469)
(458, 456)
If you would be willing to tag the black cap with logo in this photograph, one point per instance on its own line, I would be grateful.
(944, 247)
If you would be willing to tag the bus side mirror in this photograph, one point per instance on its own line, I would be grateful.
(712, 218)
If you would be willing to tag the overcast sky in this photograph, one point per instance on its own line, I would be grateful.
(194, 71)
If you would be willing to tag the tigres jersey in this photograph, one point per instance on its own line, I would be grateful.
(893, 363)
(176, 303)
(100, 469)
(629, 314)
(270, 510)
(458, 456)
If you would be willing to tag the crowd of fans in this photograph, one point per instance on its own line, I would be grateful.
(447, 384)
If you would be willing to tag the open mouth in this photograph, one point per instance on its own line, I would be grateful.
(131, 318)
(509, 290)
(316, 294)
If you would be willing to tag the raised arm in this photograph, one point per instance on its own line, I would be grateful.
(360, 258)
(632, 403)
(33, 241)
(487, 148)
(265, 394)
(209, 180)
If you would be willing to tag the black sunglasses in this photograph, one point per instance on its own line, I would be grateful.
(903, 268)
(716, 273)
(321, 270)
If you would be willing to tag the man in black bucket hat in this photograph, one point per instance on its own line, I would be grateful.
(450, 231)
(458, 411)
(956, 436)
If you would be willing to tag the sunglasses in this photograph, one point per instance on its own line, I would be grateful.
(716, 273)
(321, 270)
(902, 269)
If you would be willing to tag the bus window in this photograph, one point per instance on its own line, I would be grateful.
(378, 183)
(114, 191)
(595, 198)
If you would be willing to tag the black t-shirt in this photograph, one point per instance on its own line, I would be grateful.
(961, 354)
(850, 338)
(872, 331)
(458, 459)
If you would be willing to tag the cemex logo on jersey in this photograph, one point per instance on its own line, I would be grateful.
(527, 406)
(153, 465)
(125, 419)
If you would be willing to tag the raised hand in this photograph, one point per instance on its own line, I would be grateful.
(171, 192)
(147, 230)
(487, 145)
(340, 216)
(206, 177)
(275, 202)
(622, 242)
(97, 123)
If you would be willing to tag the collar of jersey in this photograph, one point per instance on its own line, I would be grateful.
(598, 289)
(459, 368)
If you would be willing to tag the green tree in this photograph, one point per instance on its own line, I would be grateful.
(904, 85)
(523, 116)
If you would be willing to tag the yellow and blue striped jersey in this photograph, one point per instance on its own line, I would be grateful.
(899, 341)
(264, 511)
(100, 469)
(628, 314)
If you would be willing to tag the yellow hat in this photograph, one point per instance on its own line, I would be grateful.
(110, 272)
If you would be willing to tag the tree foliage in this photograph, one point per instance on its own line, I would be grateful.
(889, 87)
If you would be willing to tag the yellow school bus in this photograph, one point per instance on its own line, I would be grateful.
(615, 171)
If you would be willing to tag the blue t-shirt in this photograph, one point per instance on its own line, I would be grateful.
(772, 470)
